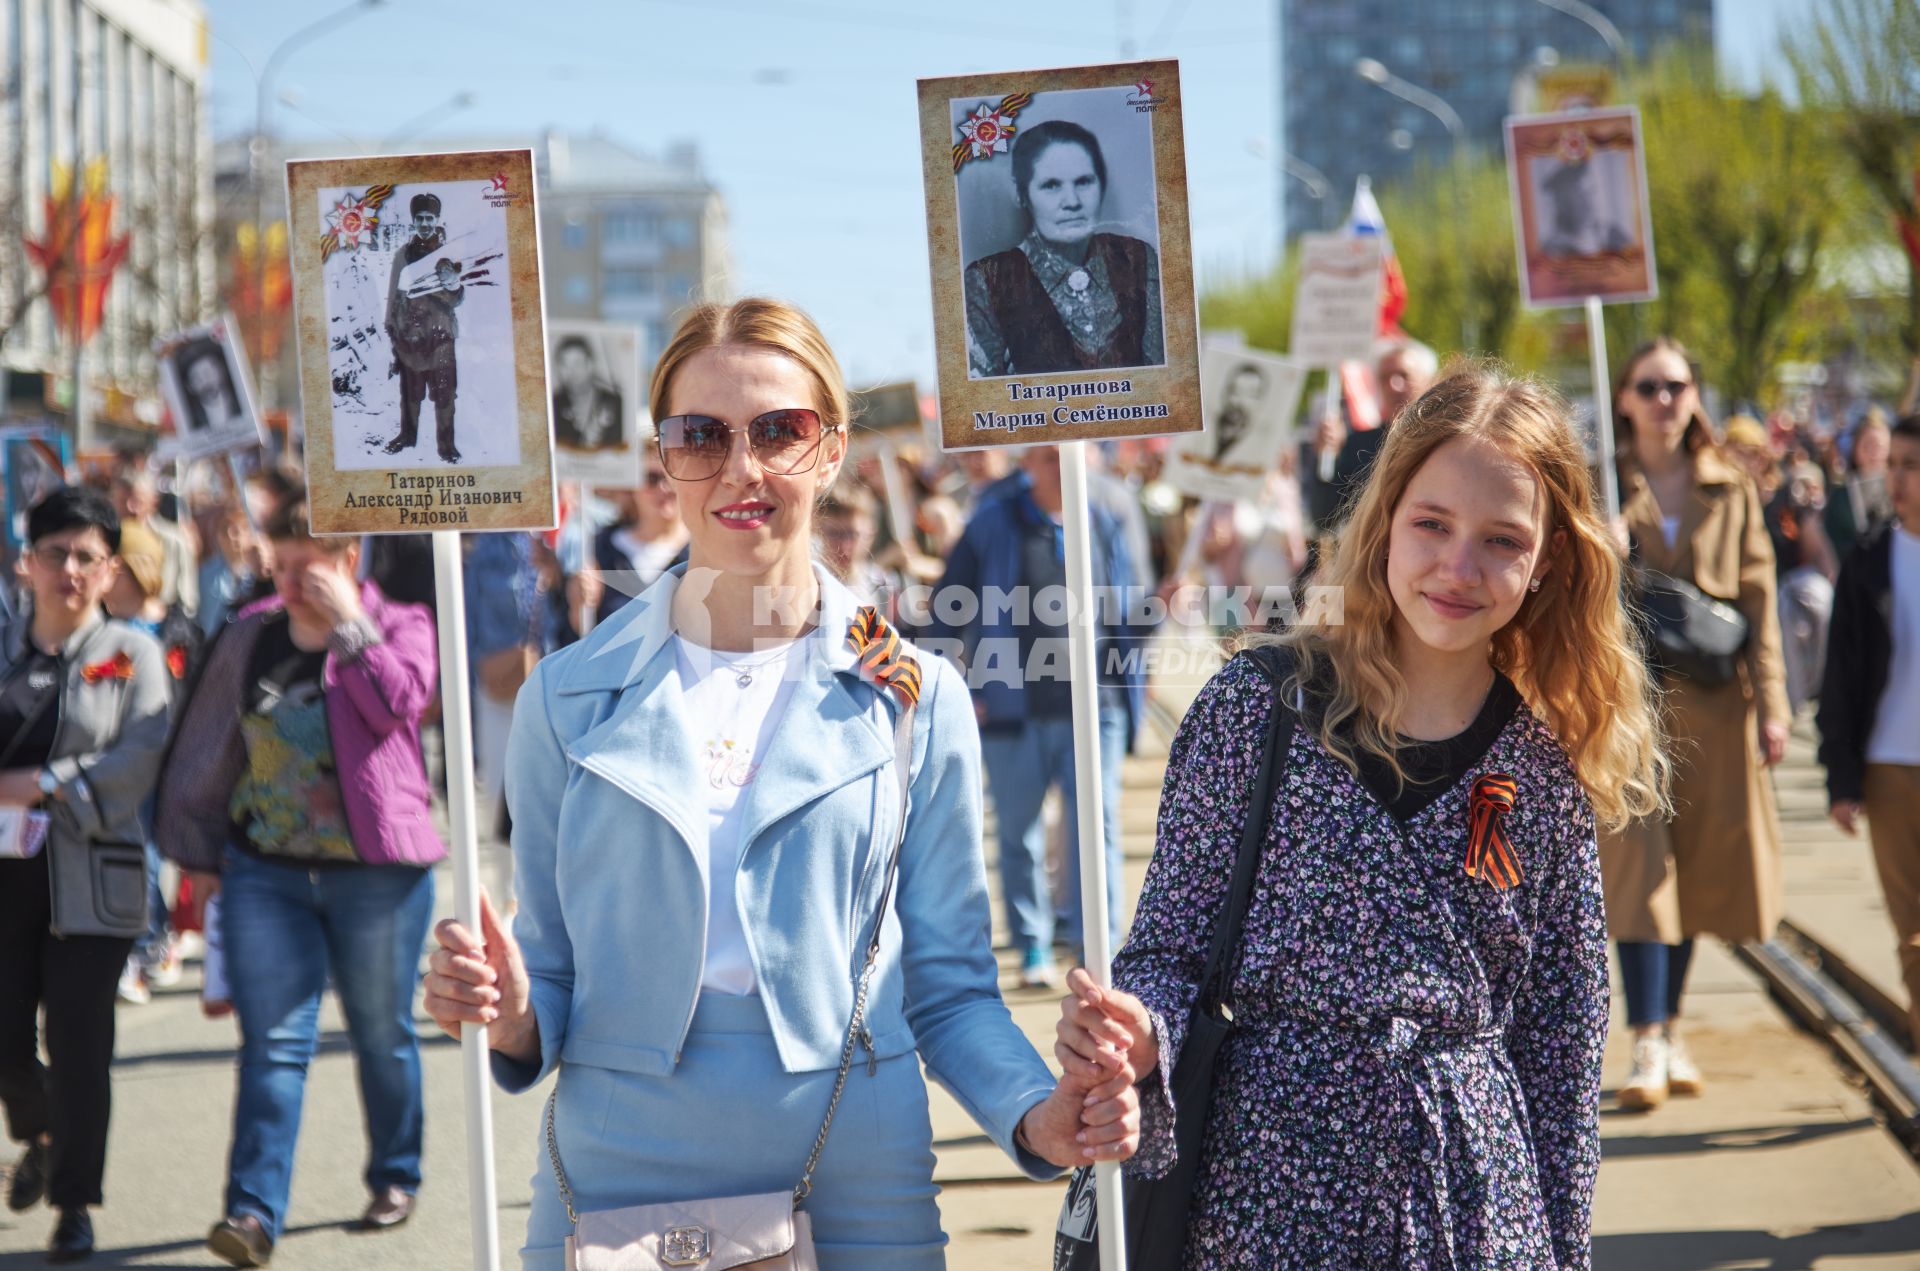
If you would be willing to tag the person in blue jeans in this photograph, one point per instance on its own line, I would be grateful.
(1012, 635)
(295, 790)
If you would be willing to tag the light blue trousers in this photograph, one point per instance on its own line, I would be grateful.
(1021, 766)
(730, 1121)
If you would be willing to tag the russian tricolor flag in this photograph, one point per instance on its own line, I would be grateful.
(1366, 219)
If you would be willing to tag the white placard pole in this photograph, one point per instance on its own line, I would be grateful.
(1094, 915)
(1602, 405)
(584, 532)
(1332, 399)
(899, 505)
(457, 726)
(240, 489)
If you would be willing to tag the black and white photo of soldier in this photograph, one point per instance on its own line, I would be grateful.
(589, 412)
(1239, 406)
(422, 327)
(1080, 288)
(206, 384)
(1577, 222)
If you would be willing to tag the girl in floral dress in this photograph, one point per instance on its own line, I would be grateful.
(1420, 998)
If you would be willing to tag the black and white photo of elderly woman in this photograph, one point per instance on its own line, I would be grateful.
(1071, 296)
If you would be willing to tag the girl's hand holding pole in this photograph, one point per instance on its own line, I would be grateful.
(1103, 1029)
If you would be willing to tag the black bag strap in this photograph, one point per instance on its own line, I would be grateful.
(1223, 956)
(41, 705)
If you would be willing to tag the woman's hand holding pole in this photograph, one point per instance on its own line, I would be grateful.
(482, 981)
(1087, 1118)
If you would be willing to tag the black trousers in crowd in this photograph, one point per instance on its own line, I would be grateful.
(71, 1095)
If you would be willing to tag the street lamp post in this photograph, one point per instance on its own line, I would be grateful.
(1318, 187)
(1375, 72)
(1584, 12)
(263, 104)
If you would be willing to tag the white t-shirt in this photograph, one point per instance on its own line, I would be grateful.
(1896, 725)
(650, 559)
(733, 722)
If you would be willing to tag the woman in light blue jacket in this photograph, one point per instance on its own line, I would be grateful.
(705, 795)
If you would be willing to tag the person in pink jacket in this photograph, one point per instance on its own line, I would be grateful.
(295, 790)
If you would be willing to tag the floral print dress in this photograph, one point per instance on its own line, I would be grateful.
(1414, 1078)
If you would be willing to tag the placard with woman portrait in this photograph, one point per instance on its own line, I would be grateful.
(1062, 272)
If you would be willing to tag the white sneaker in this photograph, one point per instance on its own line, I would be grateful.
(1647, 1084)
(1038, 971)
(1683, 1075)
(133, 987)
(166, 972)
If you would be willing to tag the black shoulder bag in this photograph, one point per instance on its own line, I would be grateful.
(1156, 1209)
(1689, 634)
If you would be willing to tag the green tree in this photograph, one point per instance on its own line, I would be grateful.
(1260, 307)
(1861, 60)
(1453, 234)
(1746, 194)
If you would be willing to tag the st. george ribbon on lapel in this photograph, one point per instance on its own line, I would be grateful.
(1490, 854)
(878, 647)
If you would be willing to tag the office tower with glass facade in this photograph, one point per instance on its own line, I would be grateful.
(1467, 52)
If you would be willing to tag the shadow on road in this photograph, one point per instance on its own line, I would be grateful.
(1629, 1145)
(1759, 1250)
(193, 1253)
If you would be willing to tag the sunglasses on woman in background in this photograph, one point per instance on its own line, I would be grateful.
(1650, 389)
(784, 442)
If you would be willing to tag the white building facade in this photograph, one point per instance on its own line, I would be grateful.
(125, 82)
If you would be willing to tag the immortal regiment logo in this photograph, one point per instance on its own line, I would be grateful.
(1573, 146)
(1132, 620)
(989, 129)
(1143, 101)
(497, 194)
(352, 219)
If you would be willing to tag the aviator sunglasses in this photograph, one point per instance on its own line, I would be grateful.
(784, 442)
(1650, 389)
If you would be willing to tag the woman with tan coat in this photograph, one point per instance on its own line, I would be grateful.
(1692, 514)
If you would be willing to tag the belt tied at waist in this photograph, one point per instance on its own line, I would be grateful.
(1412, 1144)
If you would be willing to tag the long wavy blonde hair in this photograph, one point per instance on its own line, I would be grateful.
(1571, 650)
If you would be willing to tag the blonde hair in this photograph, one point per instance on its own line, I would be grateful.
(1571, 650)
(761, 323)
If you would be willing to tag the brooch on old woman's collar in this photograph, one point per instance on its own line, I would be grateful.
(1490, 854)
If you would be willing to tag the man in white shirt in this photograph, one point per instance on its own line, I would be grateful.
(1870, 700)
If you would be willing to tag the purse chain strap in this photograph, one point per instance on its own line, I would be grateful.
(857, 1033)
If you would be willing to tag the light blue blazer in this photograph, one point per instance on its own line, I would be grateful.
(610, 865)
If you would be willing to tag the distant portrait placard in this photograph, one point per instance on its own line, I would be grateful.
(1250, 401)
(204, 381)
(1059, 245)
(1581, 218)
(598, 429)
(422, 352)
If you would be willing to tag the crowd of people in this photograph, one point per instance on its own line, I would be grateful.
(217, 736)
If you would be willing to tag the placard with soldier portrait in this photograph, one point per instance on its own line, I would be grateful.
(1582, 222)
(1250, 400)
(1062, 268)
(204, 381)
(598, 424)
(418, 313)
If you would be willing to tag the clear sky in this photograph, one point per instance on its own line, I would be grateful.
(804, 112)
